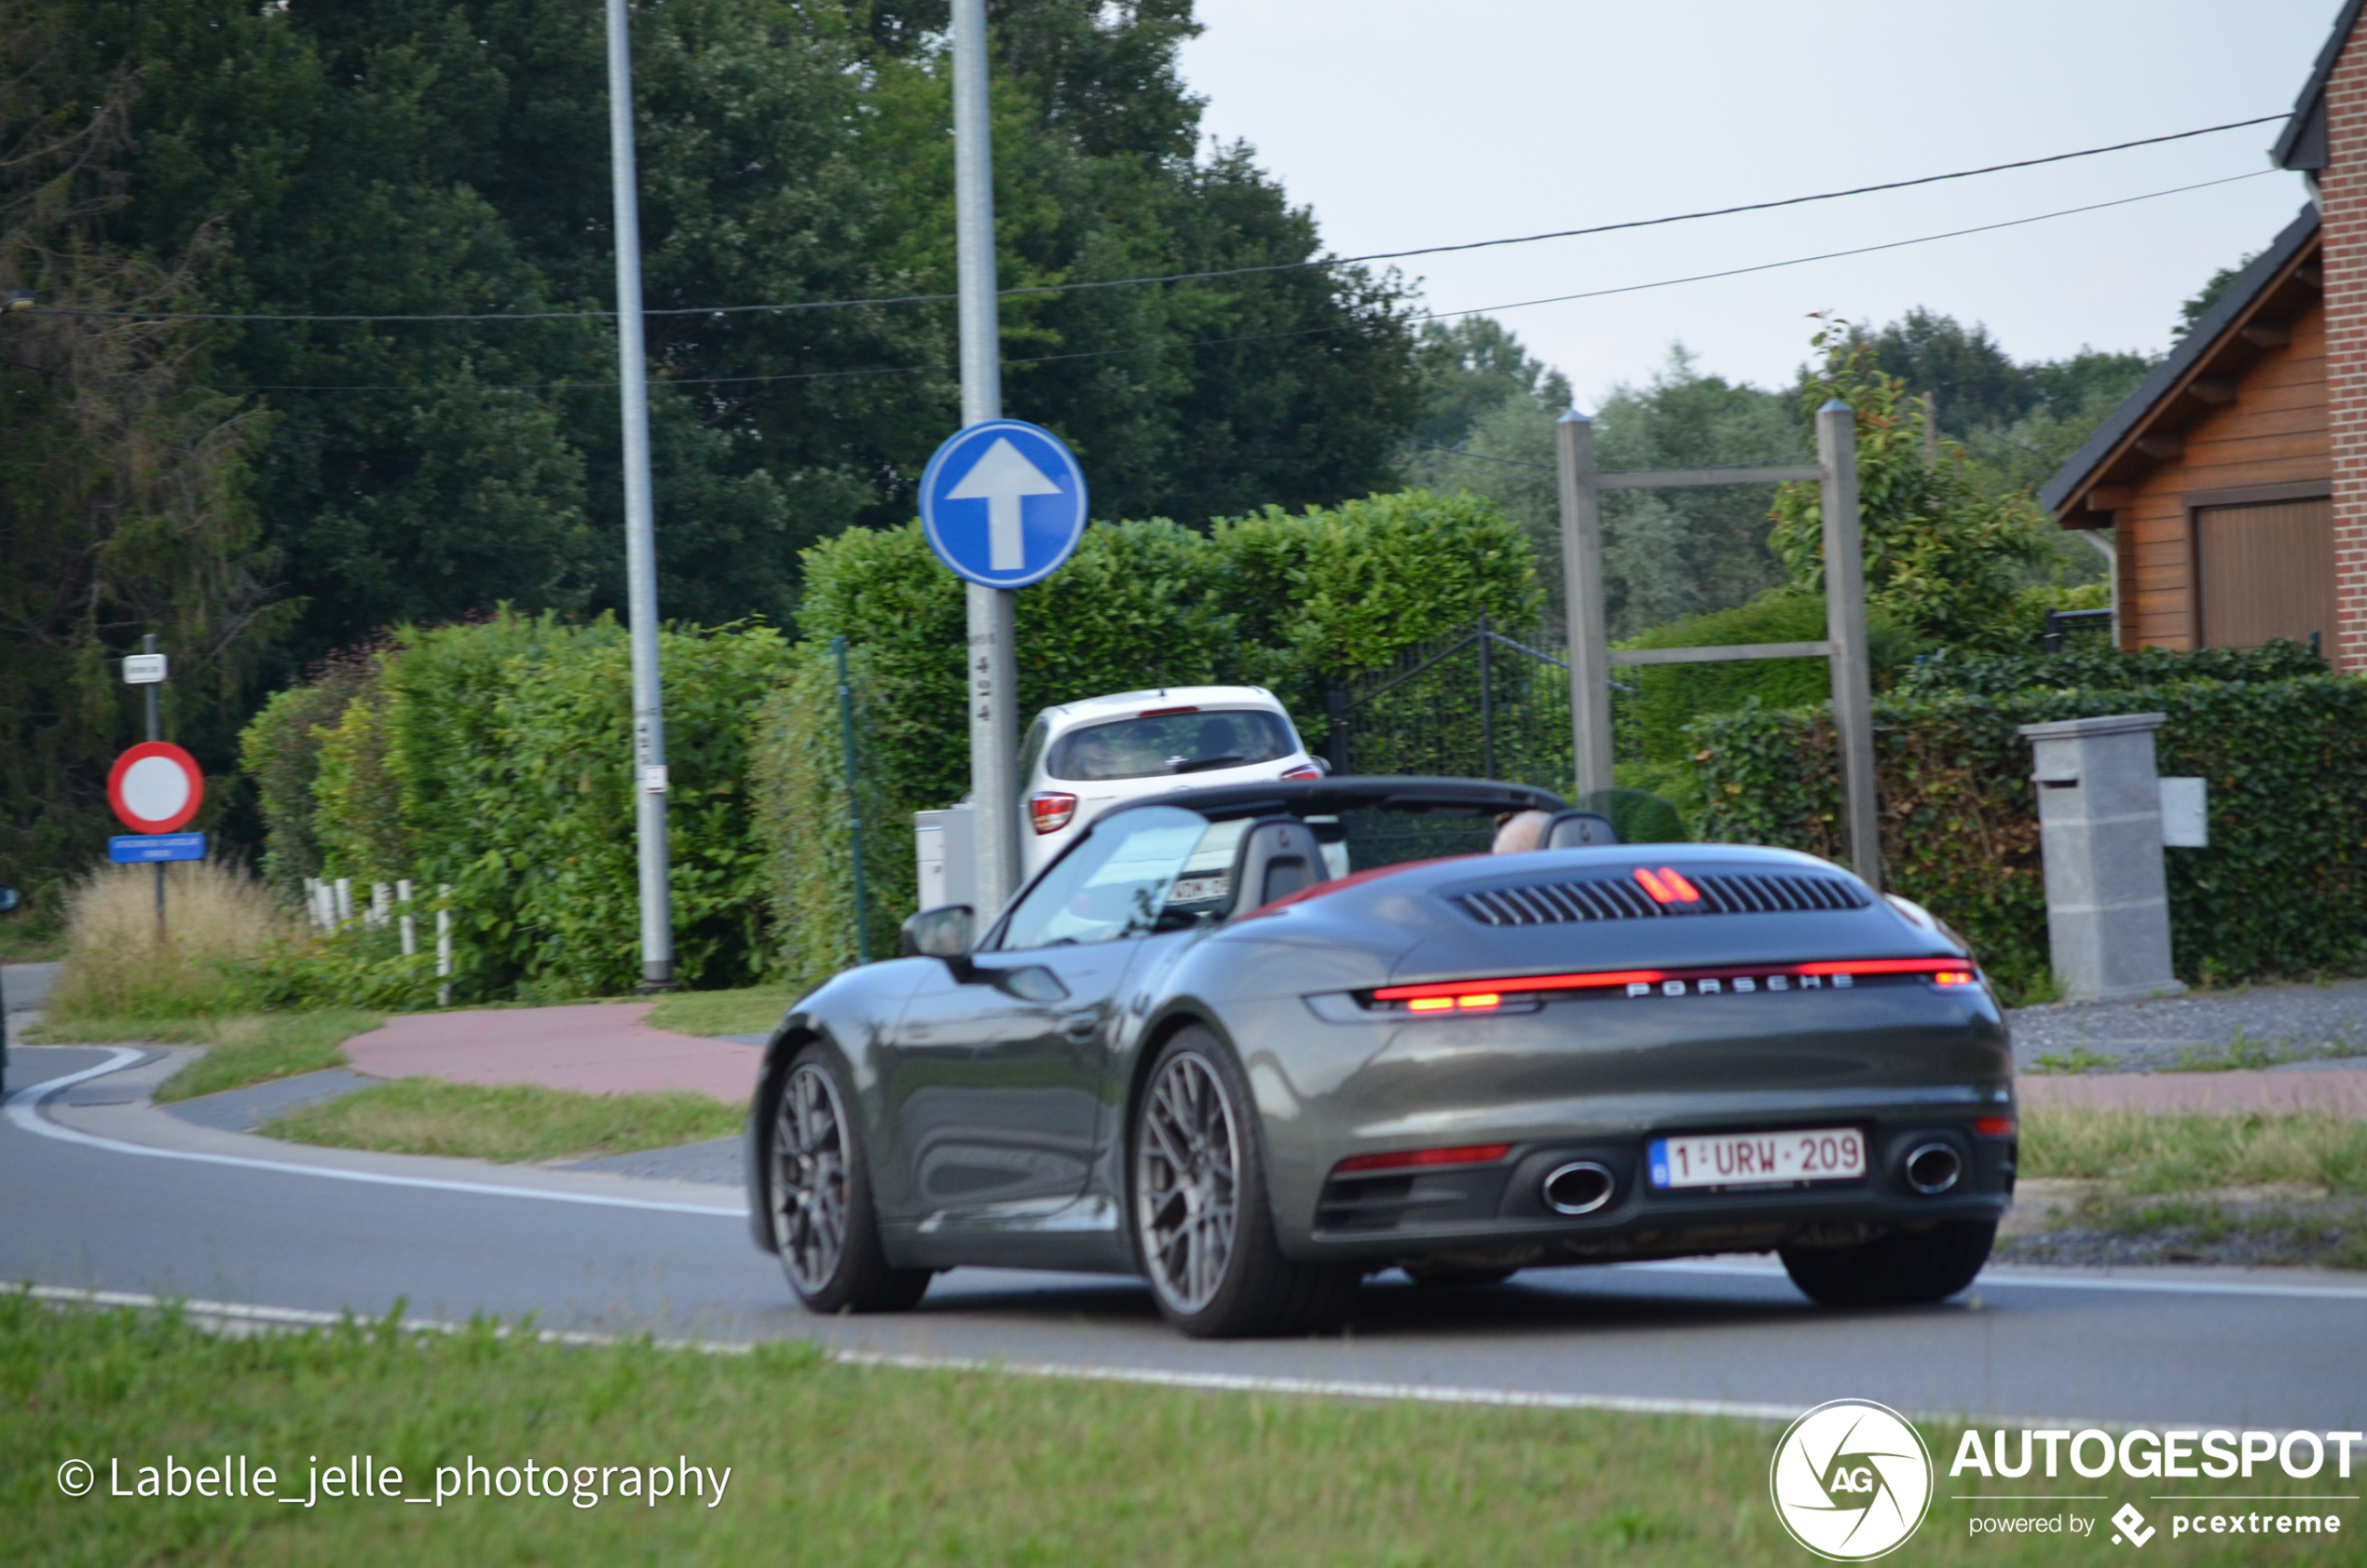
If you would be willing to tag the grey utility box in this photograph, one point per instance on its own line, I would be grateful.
(2100, 821)
(946, 843)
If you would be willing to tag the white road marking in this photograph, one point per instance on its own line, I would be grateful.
(1159, 1377)
(2008, 1280)
(24, 1111)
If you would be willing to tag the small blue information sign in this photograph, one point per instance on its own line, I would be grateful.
(134, 849)
(1002, 503)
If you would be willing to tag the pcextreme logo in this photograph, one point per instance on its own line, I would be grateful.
(1851, 1480)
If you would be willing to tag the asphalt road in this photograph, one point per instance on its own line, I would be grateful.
(107, 1192)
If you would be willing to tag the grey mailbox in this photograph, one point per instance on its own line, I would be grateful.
(945, 848)
(2100, 823)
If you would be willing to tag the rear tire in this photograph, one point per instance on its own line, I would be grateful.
(1904, 1268)
(819, 1192)
(1203, 1226)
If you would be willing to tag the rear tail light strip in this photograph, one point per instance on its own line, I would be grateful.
(1478, 995)
(1412, 1159)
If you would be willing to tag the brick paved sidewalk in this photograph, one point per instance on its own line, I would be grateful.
(2277, 1090)
(598, 1048)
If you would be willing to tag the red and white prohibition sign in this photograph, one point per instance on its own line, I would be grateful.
(155, 788)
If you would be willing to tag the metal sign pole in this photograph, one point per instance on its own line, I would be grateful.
(1583, 593)
(992, 667)
(1845, 629)
(640, 531)
(156, 732)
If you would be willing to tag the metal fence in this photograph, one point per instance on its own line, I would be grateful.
(1490, 703)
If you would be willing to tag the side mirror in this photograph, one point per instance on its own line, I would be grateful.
(8, 900)
(946, 931)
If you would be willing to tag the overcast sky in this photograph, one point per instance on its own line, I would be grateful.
(1405, 123)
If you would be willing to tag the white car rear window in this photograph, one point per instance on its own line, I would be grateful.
(1197, 740)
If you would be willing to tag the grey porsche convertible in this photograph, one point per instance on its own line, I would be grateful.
(1253, 1043)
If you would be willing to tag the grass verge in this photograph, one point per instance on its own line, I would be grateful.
(248, 1048)
(2141, 1152)
(875, 1465)
(751, 1010)
(509, 1122)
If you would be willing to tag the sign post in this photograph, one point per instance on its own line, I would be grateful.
(1003, 504)
(148, 669)
(992, 669)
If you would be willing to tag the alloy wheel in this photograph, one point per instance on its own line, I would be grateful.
(809, 1179)
(1187, 1171)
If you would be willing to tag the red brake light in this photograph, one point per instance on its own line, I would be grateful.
(1953, 977)
(1303, 771)
(1469, 1155)
(1994, 1127)
(1050, 810)
(1668, 887)
(1164, 712)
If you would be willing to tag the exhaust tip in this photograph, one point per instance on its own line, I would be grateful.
(1932, 1168)
(1580, 1187)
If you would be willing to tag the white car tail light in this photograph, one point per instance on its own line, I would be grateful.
(1050, 810)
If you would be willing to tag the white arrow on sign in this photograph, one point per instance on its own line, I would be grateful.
(1002, 479)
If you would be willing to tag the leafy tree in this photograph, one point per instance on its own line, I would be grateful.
(1473, 366)
(2196, 306)
(121, 505)
(371, 156)
(1942, 554)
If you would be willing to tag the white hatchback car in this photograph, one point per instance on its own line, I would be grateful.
(1082, 758)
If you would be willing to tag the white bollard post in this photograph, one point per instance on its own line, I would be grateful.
(344, 899)
(381, 900)
(410, 923)
(443, 946)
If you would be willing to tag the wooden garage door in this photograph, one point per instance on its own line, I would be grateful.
(2267, 572)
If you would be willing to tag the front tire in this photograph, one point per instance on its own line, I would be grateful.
(824, 1224)
(1203, 1227)
(1902, 1268)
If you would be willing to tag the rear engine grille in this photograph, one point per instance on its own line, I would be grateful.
(1605, 898)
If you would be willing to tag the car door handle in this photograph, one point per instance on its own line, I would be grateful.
(1080, 1027)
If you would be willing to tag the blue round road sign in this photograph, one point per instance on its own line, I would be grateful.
(1002, 503)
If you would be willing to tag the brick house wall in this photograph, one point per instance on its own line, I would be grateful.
(2342, 195)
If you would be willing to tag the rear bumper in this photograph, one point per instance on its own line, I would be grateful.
(1498, 1214)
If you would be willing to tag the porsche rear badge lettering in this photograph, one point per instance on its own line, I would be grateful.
(1713, 985)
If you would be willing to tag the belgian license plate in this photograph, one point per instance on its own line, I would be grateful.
(1753, 1159)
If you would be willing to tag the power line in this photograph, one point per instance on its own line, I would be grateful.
(1303, 332)
(785, 307)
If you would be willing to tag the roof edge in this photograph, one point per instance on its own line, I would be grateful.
(2294, 143)
(2199, 341)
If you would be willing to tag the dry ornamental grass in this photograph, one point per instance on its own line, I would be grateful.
(215, 915)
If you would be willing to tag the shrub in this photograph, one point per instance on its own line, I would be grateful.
(2282, 889)
(496, 756)
(216, 917)
(1669, 697)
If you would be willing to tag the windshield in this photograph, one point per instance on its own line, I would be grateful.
(1187, 740)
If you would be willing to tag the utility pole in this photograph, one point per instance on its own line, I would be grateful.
(992, 667)
(640, 530)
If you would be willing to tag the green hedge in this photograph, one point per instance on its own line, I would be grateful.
(2281, 890)
(498, 758)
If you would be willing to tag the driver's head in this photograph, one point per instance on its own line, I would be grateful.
(1520, 832)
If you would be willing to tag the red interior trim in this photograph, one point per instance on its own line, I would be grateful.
(1351, 880)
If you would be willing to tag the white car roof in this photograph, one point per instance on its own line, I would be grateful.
(1125, 704)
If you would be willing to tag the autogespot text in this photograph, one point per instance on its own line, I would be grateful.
(361, 1478)
(2193, 1455)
